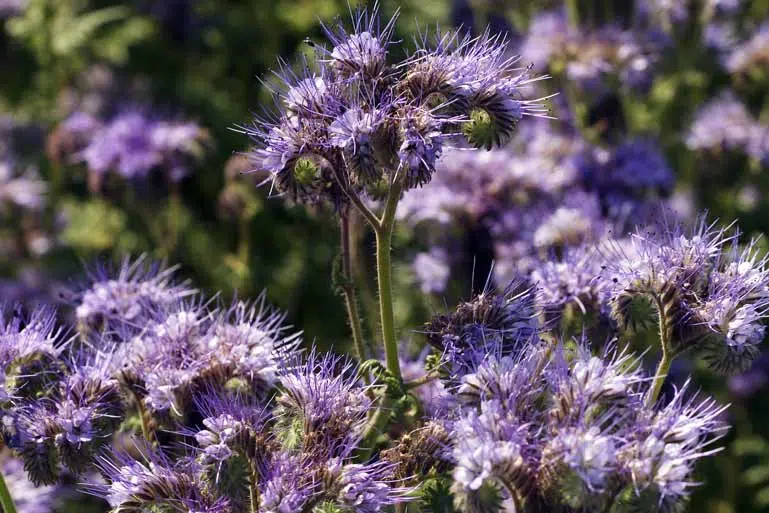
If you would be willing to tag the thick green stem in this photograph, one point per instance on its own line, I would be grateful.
(348, 289)
(6, 501)
(667, 356)
(384, 277)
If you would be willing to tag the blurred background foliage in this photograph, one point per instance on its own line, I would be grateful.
(209, 61)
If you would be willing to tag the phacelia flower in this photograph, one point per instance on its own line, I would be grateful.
(124, 298)
(722, 124)
(497, 323)
(30, 345)
(360, 121)
(133, 144)
(324, 399)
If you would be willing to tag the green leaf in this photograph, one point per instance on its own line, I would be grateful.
(751, 446)
(756, 475)
(71, 34)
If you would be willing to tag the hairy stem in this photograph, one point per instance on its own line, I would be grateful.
(144, 418)
(422, 380)
(375, 427)
(384, 277)
(667, 356)
(659, 378)
(348, 289)
(253, 485)
(355, 200)
(6, 501)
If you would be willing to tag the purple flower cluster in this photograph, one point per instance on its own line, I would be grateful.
(20, 188)
(357, 122)
(11, 8)
(725, 124)
(133, 144)
(546, 191)
(592, 59)
(245, 421)
(249, 454)
(750, 54)
(123, 299)
(548, 423)
(710, 293)
(531, 420)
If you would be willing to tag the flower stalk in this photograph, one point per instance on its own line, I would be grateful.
(6, 501)
(347, 287)
(667, 355)
(384, 232)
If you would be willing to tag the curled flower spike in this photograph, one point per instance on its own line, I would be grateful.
(324, 404)
(190, 347)
(361, 53)
(153, 482)
(30, 345)
(497, 323)
(492, 449)
(576, 279)
(590, 385)
(289, 483)
(710, 295)
(124, 298)
(660, 454)
(734, 308)
(358, 118)
(364, 488)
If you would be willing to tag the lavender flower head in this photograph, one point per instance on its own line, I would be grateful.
(133, 143)
(29, 348)
(154, 481)
(750, 54)
(722, 124)
(493, 322)
(189, 348)
(325, 403)
(710, 294)
(125, 297)
(21, 188)
(360, 120)
(572, 431)
(575, 279)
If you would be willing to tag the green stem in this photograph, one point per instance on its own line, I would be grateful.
(253, 484)
(572, 8)
(667, 357)
(375, 427)
(144, 418)
(422, 380)
(348, 288)
(384, 277)
(659, 378)
(6, 501)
